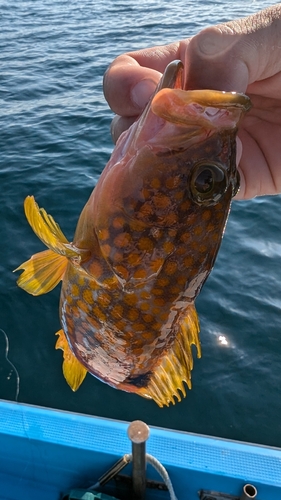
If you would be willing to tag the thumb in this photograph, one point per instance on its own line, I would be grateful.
(233, 55)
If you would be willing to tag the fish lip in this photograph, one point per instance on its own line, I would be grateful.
(211, 107)
(207, 98)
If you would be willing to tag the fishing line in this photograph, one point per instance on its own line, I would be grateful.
(12, 365)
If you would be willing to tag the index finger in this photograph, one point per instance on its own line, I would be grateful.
(132, 78)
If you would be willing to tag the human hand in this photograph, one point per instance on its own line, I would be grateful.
(241, 56)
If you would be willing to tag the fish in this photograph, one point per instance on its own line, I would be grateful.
(144, 245)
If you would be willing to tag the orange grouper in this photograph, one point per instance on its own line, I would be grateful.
(144, 245)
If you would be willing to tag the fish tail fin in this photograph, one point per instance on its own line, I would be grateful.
(74, 372)
(167, 380)
(44, 270)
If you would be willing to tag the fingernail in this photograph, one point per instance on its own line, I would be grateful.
(141, 92)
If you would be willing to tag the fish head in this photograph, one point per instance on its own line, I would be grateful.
(197, 128)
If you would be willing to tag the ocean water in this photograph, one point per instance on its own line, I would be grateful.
(54, 142)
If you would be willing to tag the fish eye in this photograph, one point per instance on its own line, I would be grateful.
(208, 183)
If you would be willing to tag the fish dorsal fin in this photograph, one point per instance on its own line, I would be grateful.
(74, 372)
(47, 230)
(167, 380)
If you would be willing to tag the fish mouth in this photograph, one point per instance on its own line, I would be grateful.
(203, 107)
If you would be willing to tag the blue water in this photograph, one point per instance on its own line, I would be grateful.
(54, 142)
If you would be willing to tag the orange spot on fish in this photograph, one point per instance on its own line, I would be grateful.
(185, 237)
(122, 240)
(117, 311)
(111, 282)
(148, 318)
(168, 247)
(117, 256)
(156, 264)
(171, 267)
(118, 222)
(132, 314)
(185, 205)
(197, 230)
(171, 219)
(188, 261)
(146, 244)
(75, 291)
(179, 195)
(122, 271)
(155, 310)
(144, 306)
(139, 327)
(99, 314)
(103, 299)
(83, 306)
(146, 193)
(202, 249)
(140, 274)
(95, 268)
(133, 259)
(172, 182)
(181, 279)
(161, 201)
(211, 227)
(103, 234)
(88, 296)
(130, 299)
(137, 226)
(155, 183)
(162, 282)
(180, 251)
(145, 210)
(206, 215)
(106, 249)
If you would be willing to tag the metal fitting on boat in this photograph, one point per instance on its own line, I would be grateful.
(249, 491)
(138, 433)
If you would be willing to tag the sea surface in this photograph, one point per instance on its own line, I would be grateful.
(54, 142)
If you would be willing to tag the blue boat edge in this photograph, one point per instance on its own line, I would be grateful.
(45, 452)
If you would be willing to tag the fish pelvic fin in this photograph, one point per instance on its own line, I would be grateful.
(44, 270)
(167, 380)
(74, 372)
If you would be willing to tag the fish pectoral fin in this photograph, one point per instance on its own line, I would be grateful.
(74, 372)
(42, 272)
(167, 380)
(47, 230)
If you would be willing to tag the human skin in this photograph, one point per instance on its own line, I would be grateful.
(241, 56)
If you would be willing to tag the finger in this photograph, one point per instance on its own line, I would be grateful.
(132, 78)
(119, 124)
(234, 55)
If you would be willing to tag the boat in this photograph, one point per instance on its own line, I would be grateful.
(50, 454)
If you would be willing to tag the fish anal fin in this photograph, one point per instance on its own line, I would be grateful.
(42, 272)
(74, 372)
(167, 380)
